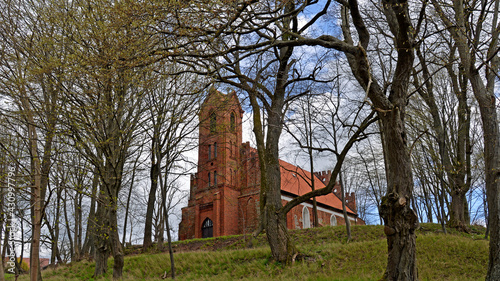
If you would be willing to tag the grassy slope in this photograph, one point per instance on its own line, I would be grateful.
(440, 257)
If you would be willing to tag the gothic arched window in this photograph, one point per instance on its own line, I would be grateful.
(333, 220)
(213, 122)
(306, 219)
(207, 229)
(232, 122)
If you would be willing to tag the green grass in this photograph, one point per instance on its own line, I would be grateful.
(455, 256)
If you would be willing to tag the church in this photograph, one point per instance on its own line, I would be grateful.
(224, 192)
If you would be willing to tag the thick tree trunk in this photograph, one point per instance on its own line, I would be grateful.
(107, 221)
(399, 219)
(107, 239)
(101, 227)
(116, 246)
(458, 210)
(274, 219)
(487, 106)
(101, 260)
(460, 174)
(492, 164)
(282, 247)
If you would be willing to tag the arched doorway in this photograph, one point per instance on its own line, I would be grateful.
(207, 228)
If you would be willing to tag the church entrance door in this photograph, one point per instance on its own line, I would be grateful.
(207, 229)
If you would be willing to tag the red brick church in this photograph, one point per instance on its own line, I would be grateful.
(224, 193)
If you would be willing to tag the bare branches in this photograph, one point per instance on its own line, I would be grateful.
(328, 189)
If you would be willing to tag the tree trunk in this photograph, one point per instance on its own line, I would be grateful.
(274, 219)
(101, 237)
(108, 240)
(88, 245)
(492, 164)
(132, 180)
(116, 246)
(309, 137)
(458, 210)
(154, 174)
(399, 219)
(487, 106)
(169, 239)
(457, 169)
(35, 191)
(282, 247)
(67, 223)
(3, 170)
(344, 210)
(78, 223)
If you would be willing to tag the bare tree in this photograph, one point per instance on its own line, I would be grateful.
(475, 30)
(173, 106)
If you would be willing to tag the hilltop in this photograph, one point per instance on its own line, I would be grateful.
(456, 256)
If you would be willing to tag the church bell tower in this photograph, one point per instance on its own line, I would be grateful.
(219, 140)
(213, 203)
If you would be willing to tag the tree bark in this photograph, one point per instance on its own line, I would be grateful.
(282, 246)
(154, 174)
(88, 245)
(101, 243)
(399, 219)
(36, 174)
(344, 210)
(492, 164)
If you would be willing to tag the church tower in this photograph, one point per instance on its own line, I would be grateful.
(213, 203)
(219, 140)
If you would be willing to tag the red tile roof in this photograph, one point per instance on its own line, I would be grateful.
(296, 181)
(43, 261)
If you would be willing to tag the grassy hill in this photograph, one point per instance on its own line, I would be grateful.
(456, 256)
